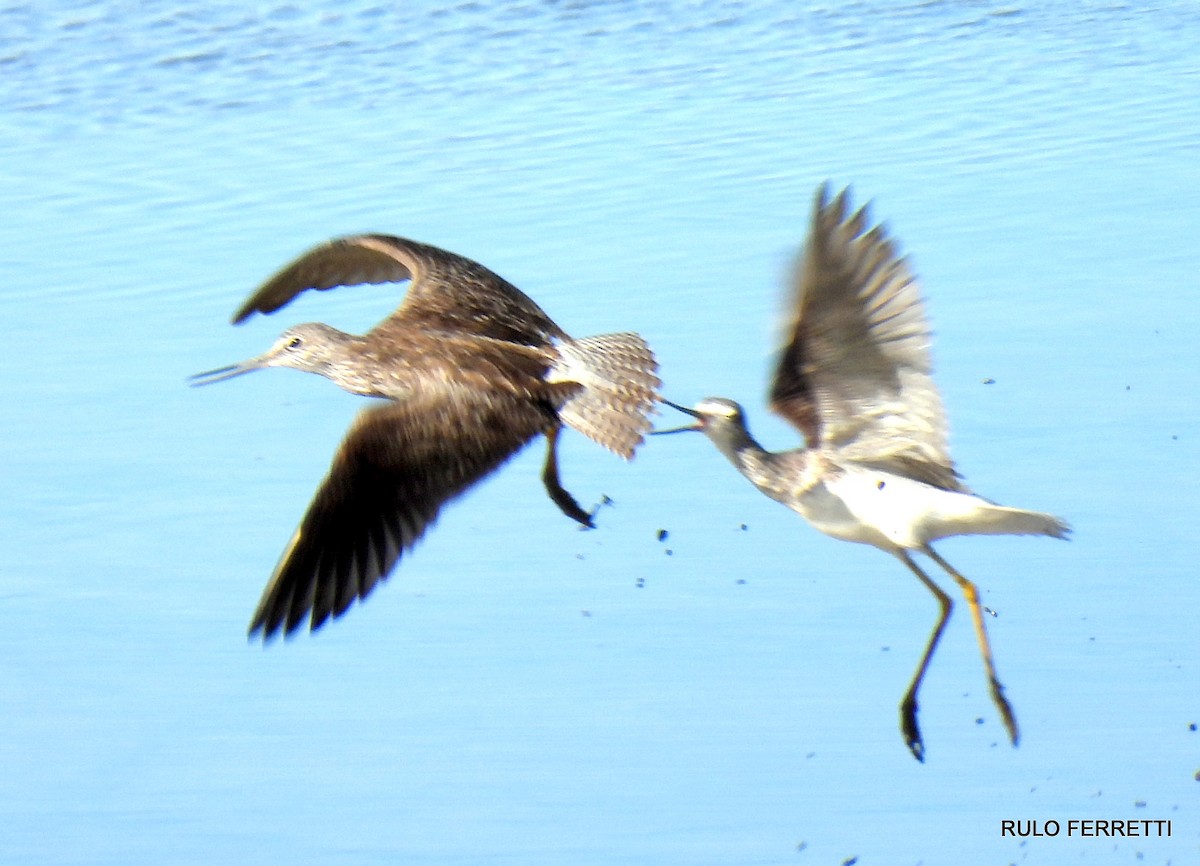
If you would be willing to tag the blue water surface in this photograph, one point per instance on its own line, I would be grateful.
(522, 692)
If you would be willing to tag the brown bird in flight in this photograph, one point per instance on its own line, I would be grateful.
(855, 378)
(472, 370)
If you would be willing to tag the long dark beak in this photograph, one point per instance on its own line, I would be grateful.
(699, 425)
(222, 373)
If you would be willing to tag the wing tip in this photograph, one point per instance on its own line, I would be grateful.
(826, 199)
(242, 314)
(262, 631)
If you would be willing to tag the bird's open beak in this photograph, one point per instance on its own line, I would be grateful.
(222, 373)
(699, 425)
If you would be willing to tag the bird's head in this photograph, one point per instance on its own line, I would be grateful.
(719, 419)
(312, 347)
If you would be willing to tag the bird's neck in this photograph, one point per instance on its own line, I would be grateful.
(740, 448)
(346, 365)
(774, 473)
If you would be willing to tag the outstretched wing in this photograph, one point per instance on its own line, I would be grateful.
(855, 374)
(396, 468)
(448, 292)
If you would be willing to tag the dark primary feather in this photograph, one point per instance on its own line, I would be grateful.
(855, 373)
(347, 261)
(448, 292)
(397, 466)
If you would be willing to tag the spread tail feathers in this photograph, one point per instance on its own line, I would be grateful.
(620, 388)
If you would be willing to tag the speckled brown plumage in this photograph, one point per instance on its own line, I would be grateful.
(472, 369)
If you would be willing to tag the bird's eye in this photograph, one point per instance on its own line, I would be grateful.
(294, 343)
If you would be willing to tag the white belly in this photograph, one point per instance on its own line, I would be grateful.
(884, 510)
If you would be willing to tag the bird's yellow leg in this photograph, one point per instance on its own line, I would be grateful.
(908, 706)
(971, 593)
(564, 500)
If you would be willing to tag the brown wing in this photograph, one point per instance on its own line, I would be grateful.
(855, 374)
(396, 468)
(448, 292)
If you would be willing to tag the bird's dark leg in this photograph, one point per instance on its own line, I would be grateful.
(971, 592)
(564, 500)
(908, 706)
